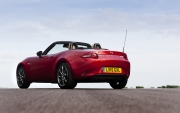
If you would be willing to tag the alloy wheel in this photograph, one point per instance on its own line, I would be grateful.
(62, 75)
(20, 77)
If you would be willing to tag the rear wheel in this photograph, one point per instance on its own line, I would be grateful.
(21, 77)
(65, 78)
(118, 84)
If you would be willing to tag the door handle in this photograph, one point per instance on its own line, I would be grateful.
(44, 57)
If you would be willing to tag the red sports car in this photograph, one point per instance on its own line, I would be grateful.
(68, 63)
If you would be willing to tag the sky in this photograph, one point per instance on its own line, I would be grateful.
(28, 26)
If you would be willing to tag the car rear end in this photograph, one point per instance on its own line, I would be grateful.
(100, 65)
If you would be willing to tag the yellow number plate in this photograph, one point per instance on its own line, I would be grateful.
(112, 70)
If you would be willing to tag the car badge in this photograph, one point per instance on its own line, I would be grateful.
(111, 52)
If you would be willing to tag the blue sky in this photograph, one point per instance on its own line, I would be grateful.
(27, 26)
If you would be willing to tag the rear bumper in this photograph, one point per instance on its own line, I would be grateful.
(103, 78)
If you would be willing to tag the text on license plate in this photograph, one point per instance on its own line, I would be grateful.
(112, 70)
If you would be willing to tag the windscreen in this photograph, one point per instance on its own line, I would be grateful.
(57, 48)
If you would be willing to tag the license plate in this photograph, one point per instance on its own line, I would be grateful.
(112, 70)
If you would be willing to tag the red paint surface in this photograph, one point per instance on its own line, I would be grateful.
(44, 69)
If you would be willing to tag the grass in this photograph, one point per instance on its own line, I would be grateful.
(139, 87)
(170, 86)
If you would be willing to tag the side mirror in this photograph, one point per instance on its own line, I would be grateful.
(39, 53)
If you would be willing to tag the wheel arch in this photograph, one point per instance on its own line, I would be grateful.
(21, 64)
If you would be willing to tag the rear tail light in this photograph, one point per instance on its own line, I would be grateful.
(90, 55)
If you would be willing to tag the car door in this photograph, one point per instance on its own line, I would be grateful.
(42, 67)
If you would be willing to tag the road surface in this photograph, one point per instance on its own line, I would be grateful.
(90, 101)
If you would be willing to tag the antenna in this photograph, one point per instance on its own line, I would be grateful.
(125, 41)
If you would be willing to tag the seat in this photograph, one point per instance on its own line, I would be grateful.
(69, 46)
(74, 46)
(93, 46)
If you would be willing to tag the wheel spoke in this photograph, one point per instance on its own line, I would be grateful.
(66, 72)
(22, 81)
(62, 69)
(22, 72)
(65, 80)
(22, 75)
(19, 73)
(60, 72)
(59, 77)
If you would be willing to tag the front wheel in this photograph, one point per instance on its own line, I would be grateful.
(64, 77)
(118, 84)
(21, 77)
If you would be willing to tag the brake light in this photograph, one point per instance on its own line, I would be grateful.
(90, 55)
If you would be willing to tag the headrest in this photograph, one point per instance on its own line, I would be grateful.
(96, 45)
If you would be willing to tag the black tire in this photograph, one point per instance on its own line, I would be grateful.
(21, 78)
(118, 84)
(64, 77)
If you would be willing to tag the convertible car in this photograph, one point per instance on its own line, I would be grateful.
(68, 63)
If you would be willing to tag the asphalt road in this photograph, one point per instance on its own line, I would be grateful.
(90, 101)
